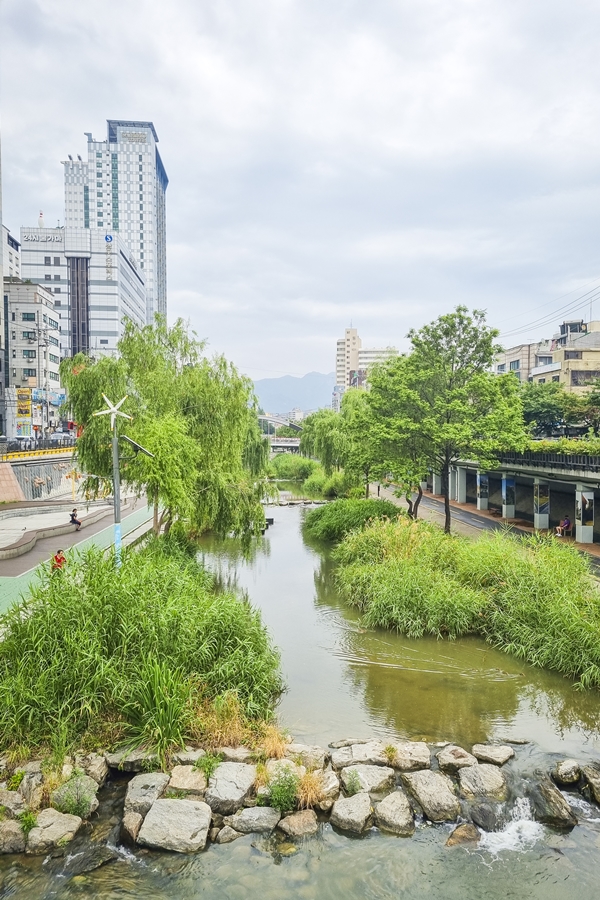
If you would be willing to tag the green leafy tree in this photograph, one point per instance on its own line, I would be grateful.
(197, 416)
(547, 406)
(323, 436)
(449, 406)
(585, 407)
(287, 431)
(363, 452)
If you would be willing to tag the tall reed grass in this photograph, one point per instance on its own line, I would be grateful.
(140, 653)
(532, 596)
(335, 520)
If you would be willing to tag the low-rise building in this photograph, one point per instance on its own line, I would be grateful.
(523, 359)
(30, 370)
(575, 359)
(11, 255)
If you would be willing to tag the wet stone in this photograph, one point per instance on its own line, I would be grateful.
(352, 813)
(13, 803)
(435, 794)
(77, 793)
(485, 817)
(259, 820)
(310, 757)
(53, 829)
(453, 758)
(496, 754)
(464, 834)
(549, 805)
(300, 824)
(228, 787)
(482, 780)
(143, 790)
(348, 742)
(567, 771)
(177, 825)
(368, 754)
(12, 839)
(395, 815)
(372, 779)
(130, 826)
(227, 834)
(189, 780)
(592, 777)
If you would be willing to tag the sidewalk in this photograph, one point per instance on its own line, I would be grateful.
(17, 574)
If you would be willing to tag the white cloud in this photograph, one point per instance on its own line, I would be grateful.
(327, 160)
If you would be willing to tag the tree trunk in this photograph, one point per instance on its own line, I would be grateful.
(367, 484)
(411, 507)
(446, 492)
(415, 511)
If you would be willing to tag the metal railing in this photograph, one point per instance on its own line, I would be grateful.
(581, 462)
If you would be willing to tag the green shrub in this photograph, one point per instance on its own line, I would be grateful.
(340, 484)
(530, 596)
(27, 820)
(74, 797)
(15, 780)
(353, 785)
(315, 483)
(292, 467)
(101, 648)
(333, 521)
(283, 790)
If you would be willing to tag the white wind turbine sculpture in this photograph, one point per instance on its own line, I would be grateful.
(113, 411)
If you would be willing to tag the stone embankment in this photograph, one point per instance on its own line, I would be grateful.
(353, 784)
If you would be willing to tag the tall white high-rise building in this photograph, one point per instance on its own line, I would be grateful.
(352, 363)
(121, 188)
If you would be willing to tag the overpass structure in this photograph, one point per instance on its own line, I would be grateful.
(279, 421)
(284, 444)
(539, 488)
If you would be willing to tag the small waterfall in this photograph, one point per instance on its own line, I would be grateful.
(519, 834)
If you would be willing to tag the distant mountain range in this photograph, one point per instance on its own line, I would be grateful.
(281, 395)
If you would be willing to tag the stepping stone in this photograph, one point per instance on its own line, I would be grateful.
(435, 794)
(496, 754)
(229, 786)
(371, 778)
(177, 825)
(395, 815)
(300, 824)
(52, 829)
(144, 790)
(257, 819)
(453, 758)
(190, 780)
(305, 755)
(482, 780)
(352, 813)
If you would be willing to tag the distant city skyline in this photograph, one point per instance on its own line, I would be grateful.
(378, 164)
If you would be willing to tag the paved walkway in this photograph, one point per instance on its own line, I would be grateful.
(13, 527)
(17, 574)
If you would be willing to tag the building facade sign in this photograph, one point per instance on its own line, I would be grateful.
(134, 137)
(41, 238)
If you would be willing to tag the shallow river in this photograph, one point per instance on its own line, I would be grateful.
(344, 681)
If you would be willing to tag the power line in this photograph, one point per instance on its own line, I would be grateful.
(571, 307)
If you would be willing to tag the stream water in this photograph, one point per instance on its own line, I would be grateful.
(344, 681)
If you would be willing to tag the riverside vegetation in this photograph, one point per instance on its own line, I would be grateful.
(533, 597)
(146, 654)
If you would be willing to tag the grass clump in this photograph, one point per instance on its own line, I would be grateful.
(27, 821)
(353, 785)
(14, 782)
(283, 790)
(143, 654)
(310, 789)
(530, 596)
(335, 520)
(208, 764)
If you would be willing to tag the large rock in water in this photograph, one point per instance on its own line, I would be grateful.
(592, 776)
(497, 754)
(228, 787)
(567, 771)
(93, 765)
(12, 839)
(435, 794)
(330, 790)
(549, 805)
(352, 813)
(178, 825)
(53, 829)
(482, 780)
(77, 795)
(305, 755)
(394, 814)
(369, 753)
(256, 820)
(485, 816)
(144, 790)
(371, 778)
(464, 834)
(188, 779)
(453, 758)
(300, 824)
(410, 756)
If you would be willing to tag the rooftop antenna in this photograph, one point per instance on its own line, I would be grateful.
(41, 220)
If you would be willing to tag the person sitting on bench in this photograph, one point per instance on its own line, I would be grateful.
(75, 520)
(565, 525)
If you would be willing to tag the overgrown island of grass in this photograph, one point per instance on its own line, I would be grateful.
(311, 475)
(148, 655)
(533, 597)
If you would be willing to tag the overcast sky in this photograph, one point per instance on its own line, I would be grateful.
(330, 160)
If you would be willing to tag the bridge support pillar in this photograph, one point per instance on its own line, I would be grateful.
(436, 488)
(453, 482)
(508, 497)
(541, 504)
(584, 515)
(461, 484)
(483, 490)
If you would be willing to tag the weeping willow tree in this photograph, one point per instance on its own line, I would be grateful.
(196, 415)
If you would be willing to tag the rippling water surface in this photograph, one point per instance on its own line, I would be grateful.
(344, 681)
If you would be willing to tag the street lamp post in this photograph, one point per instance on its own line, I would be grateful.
(113, 411)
